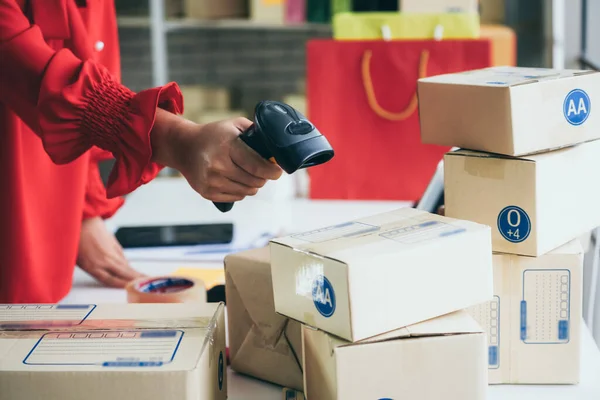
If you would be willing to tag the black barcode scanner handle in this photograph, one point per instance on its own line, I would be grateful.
(284, 136)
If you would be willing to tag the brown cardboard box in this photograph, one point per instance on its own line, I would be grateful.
(212, 9)
(533, 324)
(443, 358)
(492, 11)
(208, 116)
(262, 343)
(113, 351)
(361, 278)
(439, 6)
(198, 99)
(503, 41)
(510, 110)
(533, 204)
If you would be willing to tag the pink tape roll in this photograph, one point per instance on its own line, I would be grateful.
(166, 289)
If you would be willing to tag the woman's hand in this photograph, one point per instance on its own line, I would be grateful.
(101, 255)
(216, 164)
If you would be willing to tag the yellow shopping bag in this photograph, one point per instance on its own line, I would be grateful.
(392, 25)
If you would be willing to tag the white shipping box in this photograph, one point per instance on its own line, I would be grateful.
(510, 110)
(442, 358)
(534, 204)
(376, 274)
(533, 324)
(117, 351)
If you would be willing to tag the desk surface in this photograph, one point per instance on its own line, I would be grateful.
(170, 201)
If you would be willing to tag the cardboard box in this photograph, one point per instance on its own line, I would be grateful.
(262, 344)
(370, 25)
(503, 41)
(492, 11)
(534, 204)
(439, 6)
(211, 9)
(113, 351)
(373, 275)
(209, 116)
(269, 11)
(509, 110)
(199, 99)
(533, 325)
(443, 358)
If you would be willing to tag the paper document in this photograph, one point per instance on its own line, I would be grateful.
(199, 253)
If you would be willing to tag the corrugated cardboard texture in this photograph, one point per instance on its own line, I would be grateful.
(363, 278)
(262, 343)
(533, 324)
(99, 361)
(443, 358)
(550, 197)
(509, 110)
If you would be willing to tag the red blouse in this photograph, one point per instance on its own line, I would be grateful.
(62, 109)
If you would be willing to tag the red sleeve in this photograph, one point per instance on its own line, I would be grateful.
(74, 104)
(96, 203)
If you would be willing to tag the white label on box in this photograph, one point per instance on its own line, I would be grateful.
(488, 316)
(545, 307)
(421, 232)
(28, 315)
(336, 232)
(125, 348)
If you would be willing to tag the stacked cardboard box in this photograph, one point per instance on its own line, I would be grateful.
(369, 299)
(527, 168)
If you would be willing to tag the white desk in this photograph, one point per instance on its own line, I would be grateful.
(171, 201)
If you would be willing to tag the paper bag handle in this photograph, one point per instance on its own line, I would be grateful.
(372, 99)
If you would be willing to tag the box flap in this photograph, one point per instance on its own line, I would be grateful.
(259, 339)
(249, 272)
(504, 76)
(482, 154)
(117, 337)
(456, 323)
(380, 234)
(26, 317)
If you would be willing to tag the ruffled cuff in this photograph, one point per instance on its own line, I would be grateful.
(97, 110)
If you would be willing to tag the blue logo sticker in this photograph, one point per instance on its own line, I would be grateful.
(323, 296)
(221, 370)
(577, 107)
(514, 224)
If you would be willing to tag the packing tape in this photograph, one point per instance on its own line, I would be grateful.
(166, 289)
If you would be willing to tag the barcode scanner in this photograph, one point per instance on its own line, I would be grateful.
(284, 136)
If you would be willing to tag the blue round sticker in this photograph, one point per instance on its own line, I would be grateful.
(323, 296)
(577, 107)
(514, 224)
(221, 370)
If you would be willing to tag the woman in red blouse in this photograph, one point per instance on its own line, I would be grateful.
(63, 109)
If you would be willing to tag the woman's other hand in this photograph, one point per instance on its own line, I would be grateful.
(101, 255)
